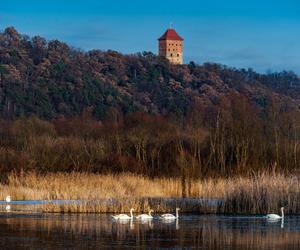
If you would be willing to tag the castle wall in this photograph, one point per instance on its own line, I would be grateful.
(172, 50)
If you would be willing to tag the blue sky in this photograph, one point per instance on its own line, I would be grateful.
(264, 35)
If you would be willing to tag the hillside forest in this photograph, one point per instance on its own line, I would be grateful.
(64, 110)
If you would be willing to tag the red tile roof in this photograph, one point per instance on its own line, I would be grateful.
(171, 34)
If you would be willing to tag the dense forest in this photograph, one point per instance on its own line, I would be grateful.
(63, 109)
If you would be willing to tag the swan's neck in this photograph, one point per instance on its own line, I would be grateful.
(131, 214)
(282, 213)
(177, 213)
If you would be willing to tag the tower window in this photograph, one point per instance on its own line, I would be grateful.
(177, 55)
(171, 54)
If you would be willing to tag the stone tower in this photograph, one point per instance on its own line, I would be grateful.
(171, 46)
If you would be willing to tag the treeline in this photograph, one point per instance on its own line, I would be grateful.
(234, 140)
(50, 79)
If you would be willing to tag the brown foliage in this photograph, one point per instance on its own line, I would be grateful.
(235, 139)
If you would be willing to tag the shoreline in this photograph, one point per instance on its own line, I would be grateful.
(97, 193)
(111, 205)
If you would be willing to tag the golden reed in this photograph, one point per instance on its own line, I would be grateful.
(258, 194)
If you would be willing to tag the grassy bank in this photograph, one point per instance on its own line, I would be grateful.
(257, 194)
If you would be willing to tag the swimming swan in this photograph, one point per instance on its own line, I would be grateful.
(124, 216)
(276, 216)
(145, 216)
(8, 199)
(170, 216)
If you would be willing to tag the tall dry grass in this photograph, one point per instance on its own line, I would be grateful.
(117, 193)
(88, 186)
(263, 193)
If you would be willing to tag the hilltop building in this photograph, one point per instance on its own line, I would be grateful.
(171, 46)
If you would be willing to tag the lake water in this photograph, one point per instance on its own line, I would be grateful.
(90, 231)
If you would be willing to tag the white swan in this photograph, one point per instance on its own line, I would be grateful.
(170, 216)
(124, 216)
(276, 216)
(145, 216)
(8, 199)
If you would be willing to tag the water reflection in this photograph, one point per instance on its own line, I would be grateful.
(277, 221)
(100, 232)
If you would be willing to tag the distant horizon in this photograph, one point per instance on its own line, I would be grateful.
(262, 36)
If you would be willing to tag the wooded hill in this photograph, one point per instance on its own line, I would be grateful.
(63, 109)
(50, 79)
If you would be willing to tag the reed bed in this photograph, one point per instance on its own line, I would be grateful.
(258, 194)
(263, 193)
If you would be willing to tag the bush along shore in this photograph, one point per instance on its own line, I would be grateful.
(95, 193)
